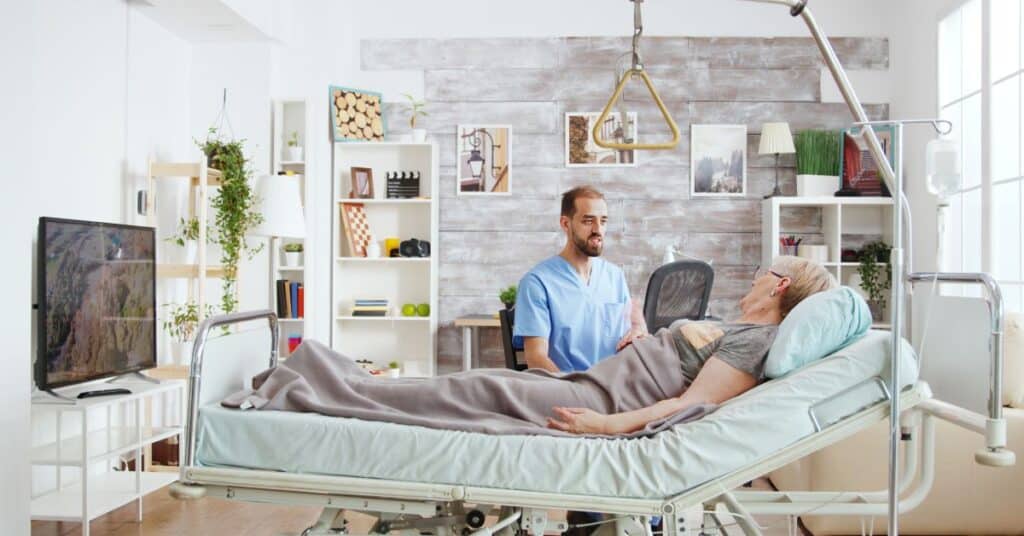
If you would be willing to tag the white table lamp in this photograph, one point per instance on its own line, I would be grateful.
(279, 201)
(776, 139)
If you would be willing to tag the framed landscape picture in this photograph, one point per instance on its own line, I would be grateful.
(582, 151)
(718, 160)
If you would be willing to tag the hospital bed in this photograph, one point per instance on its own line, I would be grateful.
(417, 480)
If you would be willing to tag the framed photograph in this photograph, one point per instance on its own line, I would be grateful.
(362, 183)
(718, 160)
(482, 162)
(580, 149)
(356, 115)
(857, 167)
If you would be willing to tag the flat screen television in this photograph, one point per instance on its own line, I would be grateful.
(97, 301)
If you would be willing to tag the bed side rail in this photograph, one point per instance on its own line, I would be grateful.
(993, 428)
(196, 372)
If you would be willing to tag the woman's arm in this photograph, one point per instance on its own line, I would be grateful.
(715, 383)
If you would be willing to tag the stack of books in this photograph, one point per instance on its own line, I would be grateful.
(370, 308)
(291, 299)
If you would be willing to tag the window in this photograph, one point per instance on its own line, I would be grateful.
(962, 92)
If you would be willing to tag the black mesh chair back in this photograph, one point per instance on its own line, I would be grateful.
(508, 318)
(677, 290)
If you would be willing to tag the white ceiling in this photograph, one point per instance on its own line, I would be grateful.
(201, 21)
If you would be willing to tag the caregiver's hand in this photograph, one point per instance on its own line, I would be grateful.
(629, 337)
(579, 421)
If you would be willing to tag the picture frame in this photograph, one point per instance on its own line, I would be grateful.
(718, 160)
(362, 183)
(582, 151)
(357, 228)
(483, 160)
(357, 115)
(858, 172)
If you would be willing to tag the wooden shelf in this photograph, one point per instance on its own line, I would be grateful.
(290, 320)
(103, 444)
(184, 169)
(107, 492)
(187, 270)
(290, 268)
(293, 163)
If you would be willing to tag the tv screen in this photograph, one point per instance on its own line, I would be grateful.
(97, 301)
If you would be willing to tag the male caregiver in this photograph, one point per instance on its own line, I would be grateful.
(574, 309)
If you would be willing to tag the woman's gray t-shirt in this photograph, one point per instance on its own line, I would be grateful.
(741, 346)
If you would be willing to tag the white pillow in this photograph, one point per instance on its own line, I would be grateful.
(1013, 360)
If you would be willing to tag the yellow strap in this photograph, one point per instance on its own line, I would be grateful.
(661, 106)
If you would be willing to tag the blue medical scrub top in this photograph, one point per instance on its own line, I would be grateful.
(581, 321)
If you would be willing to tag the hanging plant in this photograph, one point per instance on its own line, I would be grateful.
(235, 206)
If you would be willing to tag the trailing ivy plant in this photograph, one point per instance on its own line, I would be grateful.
(183, 320)
(872, 256)
(188, 230)
(235, 206)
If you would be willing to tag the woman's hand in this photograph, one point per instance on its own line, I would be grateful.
(579, 421)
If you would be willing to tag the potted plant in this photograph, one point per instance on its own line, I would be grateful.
(394, 369)
(817, 162)
(416, 109)
(181, 324)
(293, 254)
(294, 149)
(873, 280)
(235, 211)
(187, 236)
(508, 296)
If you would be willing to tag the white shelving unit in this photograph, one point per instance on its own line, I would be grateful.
(411, 341)
(845, 221)
(94, 494)
(288, 116)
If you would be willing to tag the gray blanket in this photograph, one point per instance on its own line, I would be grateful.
(493, 401)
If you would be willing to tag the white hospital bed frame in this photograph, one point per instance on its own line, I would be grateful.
(412, 508)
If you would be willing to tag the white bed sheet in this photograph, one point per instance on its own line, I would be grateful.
(740, 432)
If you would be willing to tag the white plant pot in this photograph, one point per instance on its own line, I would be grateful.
(292, 259)
(419, 135)
(294, 154)
(181, 352)
(394, 373)
(816, 185)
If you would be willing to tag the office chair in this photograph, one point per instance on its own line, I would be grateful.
(677, 290)
(507, 318)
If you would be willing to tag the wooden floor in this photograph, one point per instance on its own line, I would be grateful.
(163, 515)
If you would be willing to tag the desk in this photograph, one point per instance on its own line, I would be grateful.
(470, 325)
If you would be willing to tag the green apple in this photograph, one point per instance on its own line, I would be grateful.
(423, 309)
(408, 310)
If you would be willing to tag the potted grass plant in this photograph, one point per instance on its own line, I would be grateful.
(394, 369)
(817, 163)
(293, 254)
(294, 149)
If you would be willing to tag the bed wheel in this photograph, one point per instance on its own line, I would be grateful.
(475, 519)
(186, 491)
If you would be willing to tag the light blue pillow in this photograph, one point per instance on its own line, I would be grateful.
(818, 326)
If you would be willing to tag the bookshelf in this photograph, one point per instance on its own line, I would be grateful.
(290, 116)
(411, 340)
(846, 223)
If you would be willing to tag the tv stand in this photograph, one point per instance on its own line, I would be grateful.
(56, 398)
(134, 376)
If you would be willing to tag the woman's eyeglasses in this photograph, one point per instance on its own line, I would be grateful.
(758, 272)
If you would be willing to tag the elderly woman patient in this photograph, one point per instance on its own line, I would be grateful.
(675, 375)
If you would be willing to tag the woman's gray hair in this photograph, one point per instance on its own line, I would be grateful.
(806, 277)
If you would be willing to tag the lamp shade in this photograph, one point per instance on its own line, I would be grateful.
(280, 203)
(776, 139)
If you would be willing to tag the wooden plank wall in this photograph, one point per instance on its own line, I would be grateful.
(488, 243)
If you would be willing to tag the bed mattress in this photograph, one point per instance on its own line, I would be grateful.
(745, 429)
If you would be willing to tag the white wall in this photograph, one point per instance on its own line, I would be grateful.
(17, 233)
